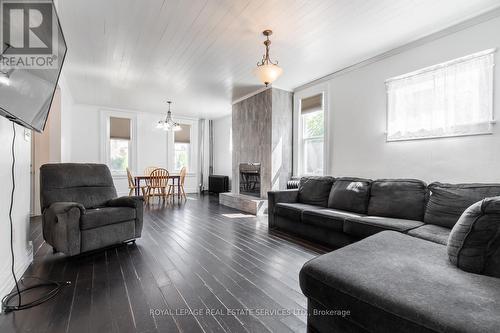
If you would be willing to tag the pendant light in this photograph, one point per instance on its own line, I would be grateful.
(267, 71)
(168, 124)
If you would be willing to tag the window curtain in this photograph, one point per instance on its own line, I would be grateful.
(119, 128)
(450, 99)
(205, 155)
(311, 104)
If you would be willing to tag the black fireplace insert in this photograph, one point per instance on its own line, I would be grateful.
(250, 179)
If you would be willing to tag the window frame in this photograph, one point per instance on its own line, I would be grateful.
(105, 115)
(304, 140)
(128, 155)
(189, 153)
(298, 128)
(194, 151)
(435, 68)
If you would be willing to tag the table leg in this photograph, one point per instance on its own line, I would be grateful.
(179, 188)
(137, 186)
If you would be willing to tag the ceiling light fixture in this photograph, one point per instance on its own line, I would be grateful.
(168, 124)
(267, 71)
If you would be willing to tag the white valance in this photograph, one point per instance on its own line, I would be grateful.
(448, 99)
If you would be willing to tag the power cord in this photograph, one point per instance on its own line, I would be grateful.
(57, 286)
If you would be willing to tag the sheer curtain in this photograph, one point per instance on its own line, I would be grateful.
(449, 99)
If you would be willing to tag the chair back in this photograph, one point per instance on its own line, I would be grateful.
(183, 175)
(88, 184)
(130, 178)
(158, 178)
(150, 169)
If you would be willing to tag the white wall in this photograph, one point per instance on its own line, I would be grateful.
(46, 148)
(85, 143)
(358, 119)
(67, 103)
(222, 146)
(21, 208)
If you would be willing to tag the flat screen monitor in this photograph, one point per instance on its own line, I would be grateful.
(31, 59)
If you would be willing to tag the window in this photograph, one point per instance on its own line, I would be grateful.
(312, 133)
(182, 149)
(450, 99)
(119, 144)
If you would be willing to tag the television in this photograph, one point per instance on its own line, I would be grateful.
(31, 60)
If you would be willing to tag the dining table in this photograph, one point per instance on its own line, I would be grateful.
(145, 178)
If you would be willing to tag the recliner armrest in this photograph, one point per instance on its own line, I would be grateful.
(132, 202)
(64, 207)
(274, 197)
(136, 202)
(61, 226)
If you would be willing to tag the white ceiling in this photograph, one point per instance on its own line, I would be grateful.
(132, 54)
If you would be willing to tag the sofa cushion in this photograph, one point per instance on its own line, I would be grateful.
(293, 211)
(399, 198)
(350, 194)
(315, 190)
(474, 243)
(392, 282)
(431, 232)
(98, 217)
(327, 218)
(365, 226)
(448, 201)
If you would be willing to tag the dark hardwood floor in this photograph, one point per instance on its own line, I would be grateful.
(195, 269)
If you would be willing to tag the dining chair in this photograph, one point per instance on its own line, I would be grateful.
(150, 169)
(172, 187)
(157, 183)
(132, 186)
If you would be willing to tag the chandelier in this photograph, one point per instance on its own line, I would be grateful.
(267, 71)
(168, 124)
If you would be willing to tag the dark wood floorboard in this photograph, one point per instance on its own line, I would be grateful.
(195, 269)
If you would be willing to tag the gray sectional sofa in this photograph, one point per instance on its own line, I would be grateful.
(393, 270)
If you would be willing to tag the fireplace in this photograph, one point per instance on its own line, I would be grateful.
(250, 179)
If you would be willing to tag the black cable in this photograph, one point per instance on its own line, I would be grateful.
(12, 170)
(57, 286)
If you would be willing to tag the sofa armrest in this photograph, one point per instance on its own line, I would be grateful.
(274, 197)
(61, 226)
(136, 202)
(132, 202)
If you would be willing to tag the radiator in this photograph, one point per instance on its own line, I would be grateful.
(218, 184)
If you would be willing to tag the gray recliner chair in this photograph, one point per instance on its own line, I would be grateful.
(81, 211)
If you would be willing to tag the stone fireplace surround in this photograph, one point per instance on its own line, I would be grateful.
(262, 132)
(262, 127)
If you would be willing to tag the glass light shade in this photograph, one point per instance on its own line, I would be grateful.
(268, 73)
(177, 128)
(4, 80)
(160, 125)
